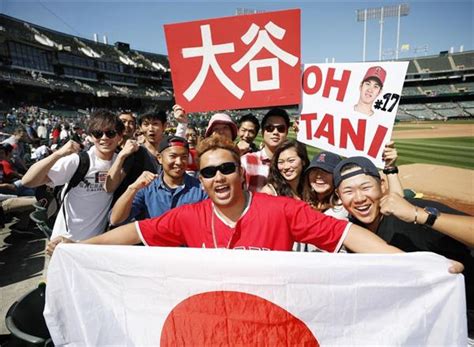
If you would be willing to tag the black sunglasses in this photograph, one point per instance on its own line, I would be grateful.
(225, 169)
(99, 133)
(270, 127)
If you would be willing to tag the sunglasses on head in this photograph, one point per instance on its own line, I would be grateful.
(225, 169)
(280, 128)
(99, 133)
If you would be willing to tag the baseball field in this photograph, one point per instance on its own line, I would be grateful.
(435, 159)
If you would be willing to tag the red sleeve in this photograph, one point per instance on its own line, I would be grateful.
(164, 230)
(310, 226)
(7, 168)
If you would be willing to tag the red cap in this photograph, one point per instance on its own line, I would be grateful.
(377, 72)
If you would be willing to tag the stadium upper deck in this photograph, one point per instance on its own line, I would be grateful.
(49, 64)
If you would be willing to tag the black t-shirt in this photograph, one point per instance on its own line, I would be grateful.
(410, 237)
(134, 165)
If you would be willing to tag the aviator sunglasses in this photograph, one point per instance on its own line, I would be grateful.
(225, 169)
(108, 133)
(270, 127)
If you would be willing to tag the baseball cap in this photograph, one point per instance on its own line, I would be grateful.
(221, 118)
(170, 141)
(376, 72)
(326, 161)
(366, 168)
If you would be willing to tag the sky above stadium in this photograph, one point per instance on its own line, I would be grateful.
(329, 28)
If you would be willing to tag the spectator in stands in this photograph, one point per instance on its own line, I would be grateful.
(370, 88)
(18, 141)
(222, 124)
(275, 125)
(65, 133)
(264, 222)
(409, 224)
(152, 195)
(248, 130)
(128, 119)
(42, 131)
(84, 211)
(55, 134)
(191, 136)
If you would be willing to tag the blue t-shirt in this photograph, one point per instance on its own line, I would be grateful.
(158, 198)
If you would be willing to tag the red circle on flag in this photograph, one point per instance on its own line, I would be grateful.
(228, 318)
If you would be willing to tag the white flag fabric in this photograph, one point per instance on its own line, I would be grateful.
(147, 296)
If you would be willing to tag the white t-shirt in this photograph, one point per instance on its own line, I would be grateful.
(87, 206)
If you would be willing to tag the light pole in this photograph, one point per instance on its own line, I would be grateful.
(380, 13)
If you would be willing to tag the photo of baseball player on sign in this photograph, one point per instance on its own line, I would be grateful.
(350, 108)
(370, 88)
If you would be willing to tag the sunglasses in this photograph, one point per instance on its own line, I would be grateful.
(225, 169)
(99, 133)
(270, 127)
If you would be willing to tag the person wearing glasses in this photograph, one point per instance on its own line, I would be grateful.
(86, 205)
(275, 125)
(235, 218)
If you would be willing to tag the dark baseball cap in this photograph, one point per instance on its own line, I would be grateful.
(326, 161)
(366, 168)
(170, 141)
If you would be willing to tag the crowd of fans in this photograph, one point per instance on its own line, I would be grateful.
(187, 185)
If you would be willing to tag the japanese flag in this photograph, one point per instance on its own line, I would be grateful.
(116, 295)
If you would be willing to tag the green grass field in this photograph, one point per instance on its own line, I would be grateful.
(449, 151)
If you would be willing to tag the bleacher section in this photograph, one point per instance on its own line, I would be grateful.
(432, 64)
(43, 62)
(464, 60)
(42, 58)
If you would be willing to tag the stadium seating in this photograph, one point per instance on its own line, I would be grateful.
(440, 63)
(411, 91)
(438, 89)
(464, 60)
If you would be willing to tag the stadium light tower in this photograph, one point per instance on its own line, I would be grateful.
(380, 13)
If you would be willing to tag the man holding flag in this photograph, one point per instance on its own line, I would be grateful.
(237, 219)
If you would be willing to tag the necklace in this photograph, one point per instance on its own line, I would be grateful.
(214, 239)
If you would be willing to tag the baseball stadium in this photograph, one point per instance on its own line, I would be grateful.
(45, 73)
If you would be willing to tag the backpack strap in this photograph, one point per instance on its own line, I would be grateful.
(81, 172)
(79, 175)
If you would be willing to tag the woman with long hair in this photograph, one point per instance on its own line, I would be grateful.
(289, 162)
(318, 187)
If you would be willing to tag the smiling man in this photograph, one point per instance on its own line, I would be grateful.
(370, 88)
(151, 195)
(235, 218)
(409, 224)
(83, 213)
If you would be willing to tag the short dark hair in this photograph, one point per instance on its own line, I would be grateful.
(277, 112)
(249, 117)
(153, 115)
(103, 119)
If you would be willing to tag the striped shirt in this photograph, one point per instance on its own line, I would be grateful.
(257, 167)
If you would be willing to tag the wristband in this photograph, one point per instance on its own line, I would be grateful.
(390, 170)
